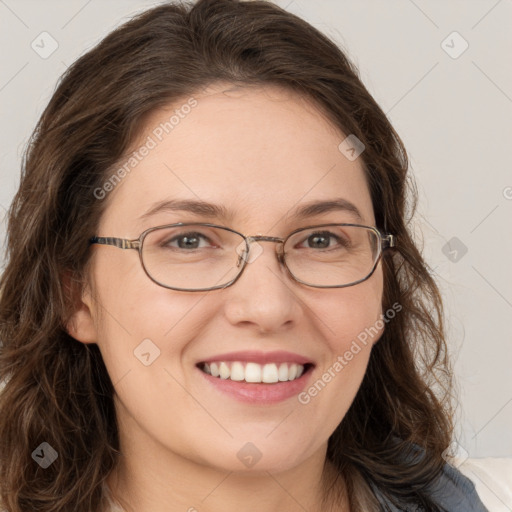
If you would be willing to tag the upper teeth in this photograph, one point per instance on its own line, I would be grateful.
(254, 372)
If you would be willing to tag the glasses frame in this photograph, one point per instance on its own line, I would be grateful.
(386, 241)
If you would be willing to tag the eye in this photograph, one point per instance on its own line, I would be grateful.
(190, 240)
(326, 240)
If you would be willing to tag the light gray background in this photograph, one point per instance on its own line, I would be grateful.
(454, 115)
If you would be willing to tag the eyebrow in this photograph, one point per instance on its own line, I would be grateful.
(206, 209)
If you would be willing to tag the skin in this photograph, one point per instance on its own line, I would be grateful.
(259, 152)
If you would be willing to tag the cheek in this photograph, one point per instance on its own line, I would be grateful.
(144, 331)
(354, 313)
(352, 323)
(139, 323)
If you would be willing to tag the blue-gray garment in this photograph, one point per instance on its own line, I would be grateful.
(452, 492)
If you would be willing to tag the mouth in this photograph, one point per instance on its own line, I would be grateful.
(257, 378)
(255, 373)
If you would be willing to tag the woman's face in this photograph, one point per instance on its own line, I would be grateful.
(260, 154)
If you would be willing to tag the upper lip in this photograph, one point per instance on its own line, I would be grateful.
(259, 357)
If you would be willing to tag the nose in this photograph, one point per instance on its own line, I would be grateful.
(264, 297)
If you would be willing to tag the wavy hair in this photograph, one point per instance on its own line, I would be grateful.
(57, 390)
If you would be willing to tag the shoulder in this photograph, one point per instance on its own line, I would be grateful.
(455, 492)
(451, 490)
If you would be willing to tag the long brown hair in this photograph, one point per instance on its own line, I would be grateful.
(57, 390)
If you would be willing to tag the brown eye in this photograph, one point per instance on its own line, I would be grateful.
(191, 240)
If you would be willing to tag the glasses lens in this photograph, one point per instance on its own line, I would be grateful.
(332, 255)
(192, 257)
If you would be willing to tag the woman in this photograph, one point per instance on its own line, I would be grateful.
(212, 371)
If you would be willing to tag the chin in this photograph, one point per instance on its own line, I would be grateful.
(258, 456)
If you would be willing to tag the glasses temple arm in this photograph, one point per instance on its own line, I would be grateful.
(122, 243)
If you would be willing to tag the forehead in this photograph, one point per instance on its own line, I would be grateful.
(259, 152)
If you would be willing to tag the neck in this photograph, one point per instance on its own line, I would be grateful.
(143, 482)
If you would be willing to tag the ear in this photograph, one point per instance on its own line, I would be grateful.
(80, 324)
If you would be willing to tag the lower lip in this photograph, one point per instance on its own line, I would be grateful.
(259, 393)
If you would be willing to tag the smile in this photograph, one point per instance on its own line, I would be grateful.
(241, 371)
(256, 377)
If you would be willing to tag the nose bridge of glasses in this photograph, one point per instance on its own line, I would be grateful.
(261, 238)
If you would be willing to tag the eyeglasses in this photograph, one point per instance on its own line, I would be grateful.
(203, 256)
